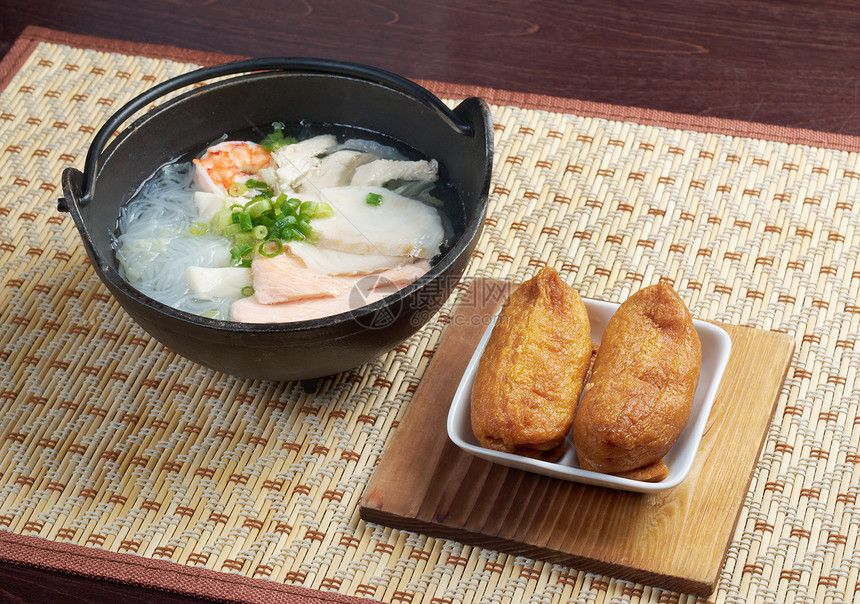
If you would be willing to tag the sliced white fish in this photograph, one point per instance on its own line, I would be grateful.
(398, 226)
(222, 282)
(336, 262)
(335, 170)
(296, 160)
(381, 171)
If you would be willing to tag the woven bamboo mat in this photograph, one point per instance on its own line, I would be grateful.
(111, 445)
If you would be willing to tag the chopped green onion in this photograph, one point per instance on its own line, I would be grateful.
(264, 223)
(199, 228)
(324, 210)
(286, 221)
(261, 186)
(236, 189)
(231, 229)
(291, 206)
(238, 253)
(245, 238)
(258, 206)
(309, 208)
(276, 139)
(374, 199)
(243, 219)
(221, 219)
(246, 222)
(270, 248)
(247, 291)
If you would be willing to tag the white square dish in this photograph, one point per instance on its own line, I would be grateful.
(716, 346)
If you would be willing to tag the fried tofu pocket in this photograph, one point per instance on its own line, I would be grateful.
(532, 372)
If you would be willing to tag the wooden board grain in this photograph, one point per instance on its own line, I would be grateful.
(674, 539)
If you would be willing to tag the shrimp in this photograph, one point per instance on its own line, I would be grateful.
(229, 163)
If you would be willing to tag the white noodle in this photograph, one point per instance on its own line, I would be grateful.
(155, 244)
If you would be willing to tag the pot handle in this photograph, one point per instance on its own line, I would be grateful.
(72, 203)
(309, 65)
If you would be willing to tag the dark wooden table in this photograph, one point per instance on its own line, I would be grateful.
(789, 62)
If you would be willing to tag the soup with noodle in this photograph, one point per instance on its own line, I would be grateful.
(283, 229)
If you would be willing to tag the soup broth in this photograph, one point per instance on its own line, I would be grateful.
(286, 227)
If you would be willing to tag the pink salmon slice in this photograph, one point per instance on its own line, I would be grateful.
(354, 291)
(285, 278)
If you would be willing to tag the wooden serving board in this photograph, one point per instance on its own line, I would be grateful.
(674, 539)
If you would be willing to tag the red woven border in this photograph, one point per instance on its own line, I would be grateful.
(194, 581)
(163, 575)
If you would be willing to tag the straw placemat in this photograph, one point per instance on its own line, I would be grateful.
(122, 460)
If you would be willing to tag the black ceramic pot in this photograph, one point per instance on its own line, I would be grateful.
(257, 93)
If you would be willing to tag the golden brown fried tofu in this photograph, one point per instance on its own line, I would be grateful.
(532, 372)
(640, 393)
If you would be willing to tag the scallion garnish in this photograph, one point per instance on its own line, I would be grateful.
(257, 206)
(374, 199)
(264, 223)
(270, 248)
(244, 220)
(199, 228)
(261, 186)
(238, 255)
(324, 210)
(276, 139)
(309, 208)
(236, 189)
(231, 230)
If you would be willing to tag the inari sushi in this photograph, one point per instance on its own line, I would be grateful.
(640, 393)
(533, 370)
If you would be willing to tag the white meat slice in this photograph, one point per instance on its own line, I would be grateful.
(334, 170)
(398, 226)
(296, 160)
(222, 282)
(381, 171)
(335, 262)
